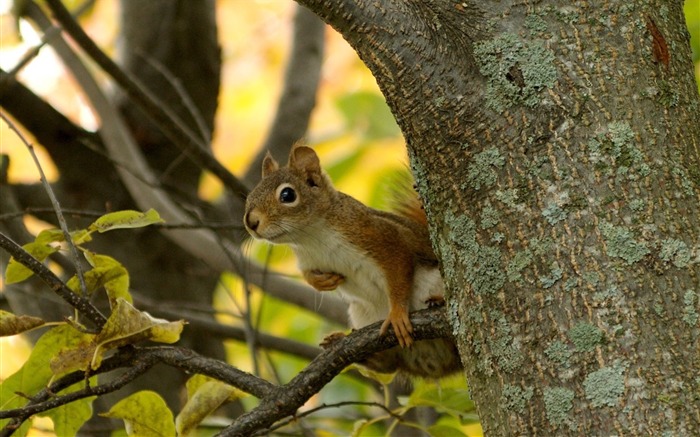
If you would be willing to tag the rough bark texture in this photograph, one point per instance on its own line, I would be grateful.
(556, 149)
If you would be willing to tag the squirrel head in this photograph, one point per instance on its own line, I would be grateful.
(289, 201)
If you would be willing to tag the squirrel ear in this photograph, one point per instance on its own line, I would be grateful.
(269, 165)
(305, 160)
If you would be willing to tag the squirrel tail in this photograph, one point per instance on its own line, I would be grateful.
(405, 201)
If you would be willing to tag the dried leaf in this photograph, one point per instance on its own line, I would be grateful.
(11, 324)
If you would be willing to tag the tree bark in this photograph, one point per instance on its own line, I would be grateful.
(556, 151)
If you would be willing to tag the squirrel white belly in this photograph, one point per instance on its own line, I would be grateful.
(381, 263)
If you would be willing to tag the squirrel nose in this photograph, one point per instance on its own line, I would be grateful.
(252, 221)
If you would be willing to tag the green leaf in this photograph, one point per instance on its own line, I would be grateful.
(11, 324)
(127, 219)
(145, 414)
(110, 274)
(17, 272)
(453, 401)
(56, 236)
(204, 396)
(368, 113)
(445, 431)
(36, 372)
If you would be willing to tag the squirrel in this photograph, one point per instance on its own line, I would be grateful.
(382, 263)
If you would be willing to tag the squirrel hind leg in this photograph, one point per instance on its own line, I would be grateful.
(398, 319)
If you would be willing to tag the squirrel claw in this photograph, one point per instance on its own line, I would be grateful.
(402, 327)
(323, 281)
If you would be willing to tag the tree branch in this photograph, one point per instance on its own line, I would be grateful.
(357, 346)
(54, 282)
(277, 402)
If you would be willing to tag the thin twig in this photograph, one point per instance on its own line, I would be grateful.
(56, 206)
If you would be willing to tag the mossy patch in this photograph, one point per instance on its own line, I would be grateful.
(481, 264)
(515, 266)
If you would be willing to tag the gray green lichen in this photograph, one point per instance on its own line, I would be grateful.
(675, 251)
(555, 275)
(508, 356)
(482, 264)
(481, 170)
(690, 313)
(516, 70)
(605, 386)
(516, 265)
(611, 292)
(559, 353)
(686, 184)
(637, 205)
(489, 217)
(620, 243)
(515, 398)
(618, 142)
(558, 402)
(585, 336)
(508, 197)
(554, 213)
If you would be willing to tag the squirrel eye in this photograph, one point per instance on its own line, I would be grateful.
(288, 195)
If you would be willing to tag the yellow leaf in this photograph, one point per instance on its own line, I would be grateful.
(127, 325)
(145, 414)
(17, 272)
(127, 219)
(11, 324)
(208, 396)
(77, 357)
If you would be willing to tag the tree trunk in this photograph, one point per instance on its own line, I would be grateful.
(556, 151)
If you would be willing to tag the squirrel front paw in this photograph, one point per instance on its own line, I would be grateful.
(332, 339)
(323, 281)
(398, 319)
